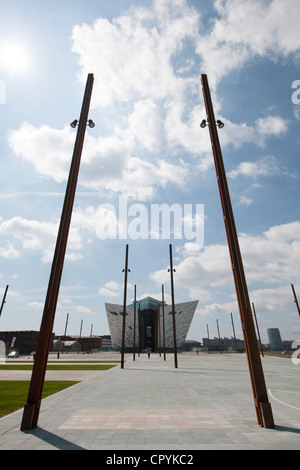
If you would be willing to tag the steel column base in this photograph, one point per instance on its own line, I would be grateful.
(266, 415)
(28, 417)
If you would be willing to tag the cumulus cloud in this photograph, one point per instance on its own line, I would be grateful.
(247, 29)
(266, 166)
(135, 52)
(22, 236)
(147, 80)
(270, 261)
(110, 289)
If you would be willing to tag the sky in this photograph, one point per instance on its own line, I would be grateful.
(147, 162)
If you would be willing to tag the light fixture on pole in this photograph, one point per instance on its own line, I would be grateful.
(171, 270)
(126, 270)
(205, 123)
(34, 398)
(262, 405)
(3, 301)
(89, 123)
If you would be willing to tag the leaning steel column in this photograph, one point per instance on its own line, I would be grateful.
(171, 270)
(134, 323)
(126, 270)
(262, 405)
(3, 301)
(163, 316)
(295, 297)
(32, 406)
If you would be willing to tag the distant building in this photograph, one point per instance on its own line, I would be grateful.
(275, 340)
(191, 345)
(224, 344)
(24, 342)
(78, 343)
(106, 343)
(149, 324)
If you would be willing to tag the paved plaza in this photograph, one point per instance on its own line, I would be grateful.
(205, 404)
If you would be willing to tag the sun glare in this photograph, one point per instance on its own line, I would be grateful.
(14, 58)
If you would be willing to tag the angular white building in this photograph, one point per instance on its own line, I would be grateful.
(147, 320)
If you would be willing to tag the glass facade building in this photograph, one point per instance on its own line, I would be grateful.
(146, 322)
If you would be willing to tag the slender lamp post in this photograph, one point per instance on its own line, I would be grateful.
(62, 346)
(171, 270)
(79, 340)
(262, 406)
(163, 316)
(134, 323)
(32, 406)
(126, 270)
(296, 300)
(236, 349)
(208, 344)
(220, 346)
(258, 334)
(3, 301)
(139, 326)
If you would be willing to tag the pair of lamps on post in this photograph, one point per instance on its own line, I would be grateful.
(90, 123)
(205, 123)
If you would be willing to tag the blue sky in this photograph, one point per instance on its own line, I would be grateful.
(147, 148)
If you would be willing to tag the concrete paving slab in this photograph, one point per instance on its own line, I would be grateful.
(206, 403)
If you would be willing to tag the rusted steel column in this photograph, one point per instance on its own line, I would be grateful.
(262, 405)
(258, 333)
(236, 349)
(126, 270)
(134, 322)
(171, 270)
(3, 300)
(32, 406)
(220, 345)
(163, 317)
(208, 344)
(296, 300)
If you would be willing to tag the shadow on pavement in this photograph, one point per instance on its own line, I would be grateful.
(54, 440)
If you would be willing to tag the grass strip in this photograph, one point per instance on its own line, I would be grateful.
(77, 366)
(14, 393)
(16, 361)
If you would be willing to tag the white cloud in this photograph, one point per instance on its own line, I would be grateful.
(84, 310)
(110, 289)
(112, 285)
(36, 305)
(10, 252)
(134, 58)
(108, 292)
(245, 201)
(48, 150)
(270, 259)
(23, 235)
(247, 29)
(266, 166)
(134, 52)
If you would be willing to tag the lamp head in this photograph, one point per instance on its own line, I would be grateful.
(74, 124)
(203, 124)
(220, 124)
(91, 124)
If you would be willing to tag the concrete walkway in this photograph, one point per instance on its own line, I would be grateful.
(206, 403)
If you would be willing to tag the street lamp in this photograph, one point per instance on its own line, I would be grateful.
(205, 123)
(126, 270)
(89, 123)
(171, 270)
(262, 405)
(32, 406)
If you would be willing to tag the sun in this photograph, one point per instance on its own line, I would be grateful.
(15, 58)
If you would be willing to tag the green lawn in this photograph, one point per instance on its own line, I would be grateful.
(14, 393)
(78, 366)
